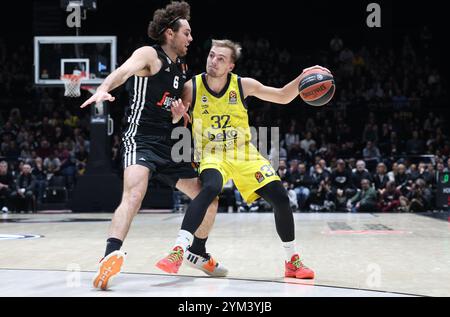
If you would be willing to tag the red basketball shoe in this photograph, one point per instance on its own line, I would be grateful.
(172, 262)
(295, 268)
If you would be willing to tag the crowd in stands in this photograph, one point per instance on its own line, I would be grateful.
(44, 138)
(378, 146)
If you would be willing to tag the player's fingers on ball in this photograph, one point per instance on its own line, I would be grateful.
(325, 69)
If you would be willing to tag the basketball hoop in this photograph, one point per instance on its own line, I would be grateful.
(72, 83)
(91, 89)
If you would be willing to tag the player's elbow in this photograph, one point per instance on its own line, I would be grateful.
(283, 96)
(124, 73)
(283, 99)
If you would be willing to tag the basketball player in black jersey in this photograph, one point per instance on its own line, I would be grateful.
(157, 75)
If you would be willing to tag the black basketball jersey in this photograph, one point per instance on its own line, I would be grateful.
(151, 97)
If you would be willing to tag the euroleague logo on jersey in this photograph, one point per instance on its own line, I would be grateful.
(232, 99)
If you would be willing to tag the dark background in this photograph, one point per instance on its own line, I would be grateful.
(301, 24)
(303, 27)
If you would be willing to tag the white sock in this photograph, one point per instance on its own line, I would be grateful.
(289, 249)
(184, 239)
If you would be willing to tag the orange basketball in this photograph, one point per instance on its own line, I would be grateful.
(316, 87)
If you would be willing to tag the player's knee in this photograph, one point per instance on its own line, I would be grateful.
(279, 198)
(133, 197)
(211, 190)
(211, 183)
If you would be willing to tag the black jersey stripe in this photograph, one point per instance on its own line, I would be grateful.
(241, 92)
(136, 104)
(133, 105)
(144, 93)
(130, 127)
(138, 116)
(142, 88)
(130, 144)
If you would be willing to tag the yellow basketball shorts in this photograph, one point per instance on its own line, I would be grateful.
(248, 175)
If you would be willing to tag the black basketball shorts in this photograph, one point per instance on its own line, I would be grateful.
(154, 152)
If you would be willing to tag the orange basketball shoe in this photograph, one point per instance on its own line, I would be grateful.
(295, 268)
(108, 268)
(172, 262)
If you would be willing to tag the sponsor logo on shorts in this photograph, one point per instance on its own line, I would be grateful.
(259, 177)
(232, 98)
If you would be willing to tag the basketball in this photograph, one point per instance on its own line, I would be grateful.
(316, 87)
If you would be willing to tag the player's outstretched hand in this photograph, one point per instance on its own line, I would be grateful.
(99, 96)
(179, 110)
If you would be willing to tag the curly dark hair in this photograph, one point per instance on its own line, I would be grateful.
(168, 18)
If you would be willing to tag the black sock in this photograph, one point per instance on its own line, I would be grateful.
(198, 246)
(112, 244)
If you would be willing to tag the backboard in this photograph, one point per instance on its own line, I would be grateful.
(55, 56)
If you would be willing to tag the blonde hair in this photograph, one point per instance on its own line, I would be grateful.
(235, 48)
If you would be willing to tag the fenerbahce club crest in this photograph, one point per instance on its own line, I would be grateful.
(259, 177)
(232, 98)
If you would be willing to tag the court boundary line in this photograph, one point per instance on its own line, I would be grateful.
(232, 279)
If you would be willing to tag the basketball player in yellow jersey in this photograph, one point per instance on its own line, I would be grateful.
(222, 136)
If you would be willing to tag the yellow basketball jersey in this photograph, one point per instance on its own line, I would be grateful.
(220, 120)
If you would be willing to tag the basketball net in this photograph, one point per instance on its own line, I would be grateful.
(72, 83)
